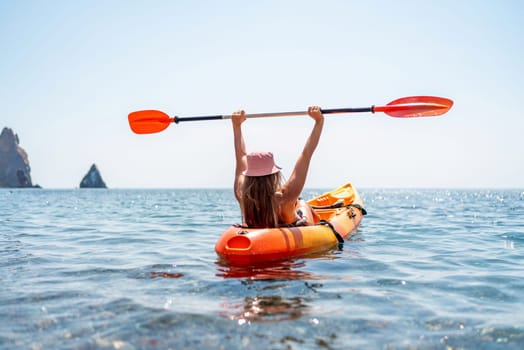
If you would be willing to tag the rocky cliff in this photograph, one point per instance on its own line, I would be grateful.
(93, 179)
(14, 164)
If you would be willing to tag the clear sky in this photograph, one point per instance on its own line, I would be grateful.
(71, 71)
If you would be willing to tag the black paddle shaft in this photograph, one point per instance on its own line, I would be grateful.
(349, 110)
(324, 111)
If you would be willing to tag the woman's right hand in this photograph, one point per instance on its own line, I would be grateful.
(238, 117)
(316, 113)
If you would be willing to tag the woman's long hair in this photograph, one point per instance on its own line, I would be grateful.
(260, 207)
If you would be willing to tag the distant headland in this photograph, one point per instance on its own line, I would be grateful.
(15, 171)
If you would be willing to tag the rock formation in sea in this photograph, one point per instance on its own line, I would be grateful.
(93, 179)
(14, 163)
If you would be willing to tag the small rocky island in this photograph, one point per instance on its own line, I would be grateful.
(15, 171)
(93, 179)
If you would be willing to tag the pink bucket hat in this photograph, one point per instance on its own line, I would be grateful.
(261, 164)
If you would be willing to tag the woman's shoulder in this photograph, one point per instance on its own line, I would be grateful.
(283, 195)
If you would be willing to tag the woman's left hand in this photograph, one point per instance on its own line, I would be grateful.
(316, 113)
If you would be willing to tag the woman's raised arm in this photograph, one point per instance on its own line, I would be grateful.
(296, 181)
(240, 149)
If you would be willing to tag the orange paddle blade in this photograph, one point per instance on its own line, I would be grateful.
(149, 121)
(416, 106)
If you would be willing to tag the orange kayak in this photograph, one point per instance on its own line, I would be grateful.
(340, 212)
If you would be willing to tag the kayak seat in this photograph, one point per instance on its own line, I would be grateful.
(299, 223)
(338, 204)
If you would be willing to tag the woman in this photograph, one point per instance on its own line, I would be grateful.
(265, 200)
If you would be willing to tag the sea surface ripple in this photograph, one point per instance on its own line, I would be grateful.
(136, 269)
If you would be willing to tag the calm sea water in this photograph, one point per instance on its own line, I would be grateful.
(136, 269)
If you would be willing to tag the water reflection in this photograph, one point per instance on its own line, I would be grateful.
(272, 308)
(283, 270)
(156, 271)
(154, 274)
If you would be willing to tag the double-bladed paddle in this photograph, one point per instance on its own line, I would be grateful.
(152, 121)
